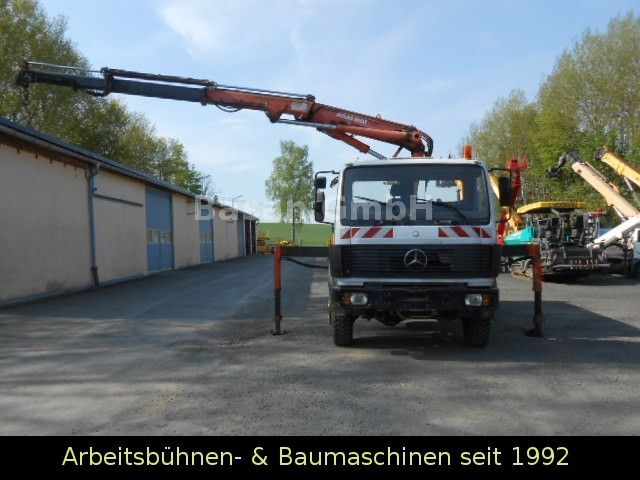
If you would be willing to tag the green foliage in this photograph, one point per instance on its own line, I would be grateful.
(291, 181)
(507, 129)
(591, 99)
(309, 234)
(98, 124)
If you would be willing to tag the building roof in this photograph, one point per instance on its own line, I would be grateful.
(56, 145)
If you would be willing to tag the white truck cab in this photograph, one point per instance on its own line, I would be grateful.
(413, 238)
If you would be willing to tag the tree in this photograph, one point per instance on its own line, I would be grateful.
(27, 33)
(290, 184)
(591, 99)
(508, 129)
(102, 125)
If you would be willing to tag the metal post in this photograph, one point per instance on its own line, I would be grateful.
(538, 320)
(277, 287)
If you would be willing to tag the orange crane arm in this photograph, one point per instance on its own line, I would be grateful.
(301, 109)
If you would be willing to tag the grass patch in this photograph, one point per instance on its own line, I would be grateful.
(310, 235)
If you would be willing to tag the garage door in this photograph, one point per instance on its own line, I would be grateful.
(159, 230)
(206, 240)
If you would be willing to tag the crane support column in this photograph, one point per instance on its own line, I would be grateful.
(277, 288)
(534, 252)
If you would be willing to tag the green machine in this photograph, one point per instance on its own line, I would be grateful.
(563, 231)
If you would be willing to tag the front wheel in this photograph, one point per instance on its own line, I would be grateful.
(476, 331)
(342, 325)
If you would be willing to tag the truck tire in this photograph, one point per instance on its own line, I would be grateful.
(476, 331)
(342, 325)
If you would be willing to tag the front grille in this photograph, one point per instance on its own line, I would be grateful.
(451, 261)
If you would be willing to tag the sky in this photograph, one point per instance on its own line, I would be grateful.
(438, 65)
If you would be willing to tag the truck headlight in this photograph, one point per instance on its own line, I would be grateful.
(358, 299)
(473, 299)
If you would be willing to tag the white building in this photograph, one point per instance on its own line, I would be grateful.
(71, 219)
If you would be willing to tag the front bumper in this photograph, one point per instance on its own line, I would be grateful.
(416, 300)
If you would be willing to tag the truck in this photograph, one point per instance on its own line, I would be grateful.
(413, 236)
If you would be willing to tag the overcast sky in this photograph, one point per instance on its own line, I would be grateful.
(436, 65)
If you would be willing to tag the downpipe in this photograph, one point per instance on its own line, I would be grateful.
(93, 170)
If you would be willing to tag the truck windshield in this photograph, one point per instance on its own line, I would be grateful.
(415, 195)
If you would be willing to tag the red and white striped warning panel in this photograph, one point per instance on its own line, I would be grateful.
(458, 231)
(367, 232)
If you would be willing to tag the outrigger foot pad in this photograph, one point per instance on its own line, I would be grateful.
(535, 332)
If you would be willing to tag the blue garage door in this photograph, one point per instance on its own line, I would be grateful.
(240, 225)
(159, 230)
(206, 240)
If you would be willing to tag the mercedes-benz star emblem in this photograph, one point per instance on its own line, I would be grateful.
(415, 259)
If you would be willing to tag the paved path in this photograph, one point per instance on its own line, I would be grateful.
(188, 352)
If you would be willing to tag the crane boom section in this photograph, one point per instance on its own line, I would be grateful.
(621, 167)
(623, 208)
(302, 109)
(608, 191)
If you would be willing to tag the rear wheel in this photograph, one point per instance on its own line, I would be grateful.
(476, 331)
(342, 325)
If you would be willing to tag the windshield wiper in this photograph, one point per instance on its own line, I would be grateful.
(371, 200)
(454, 208)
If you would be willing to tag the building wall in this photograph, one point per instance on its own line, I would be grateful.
(120, 227)
(44, 226)
(186, 232)
(225, 237)
(45, 237)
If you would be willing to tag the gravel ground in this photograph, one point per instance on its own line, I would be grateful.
(189, 352)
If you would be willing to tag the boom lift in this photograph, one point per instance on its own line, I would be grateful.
(630, 174)
(597, 180)
(625, 238)
(412, 238)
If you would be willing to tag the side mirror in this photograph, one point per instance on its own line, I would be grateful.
(320, 183)
(318, 206)
(505, 190)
